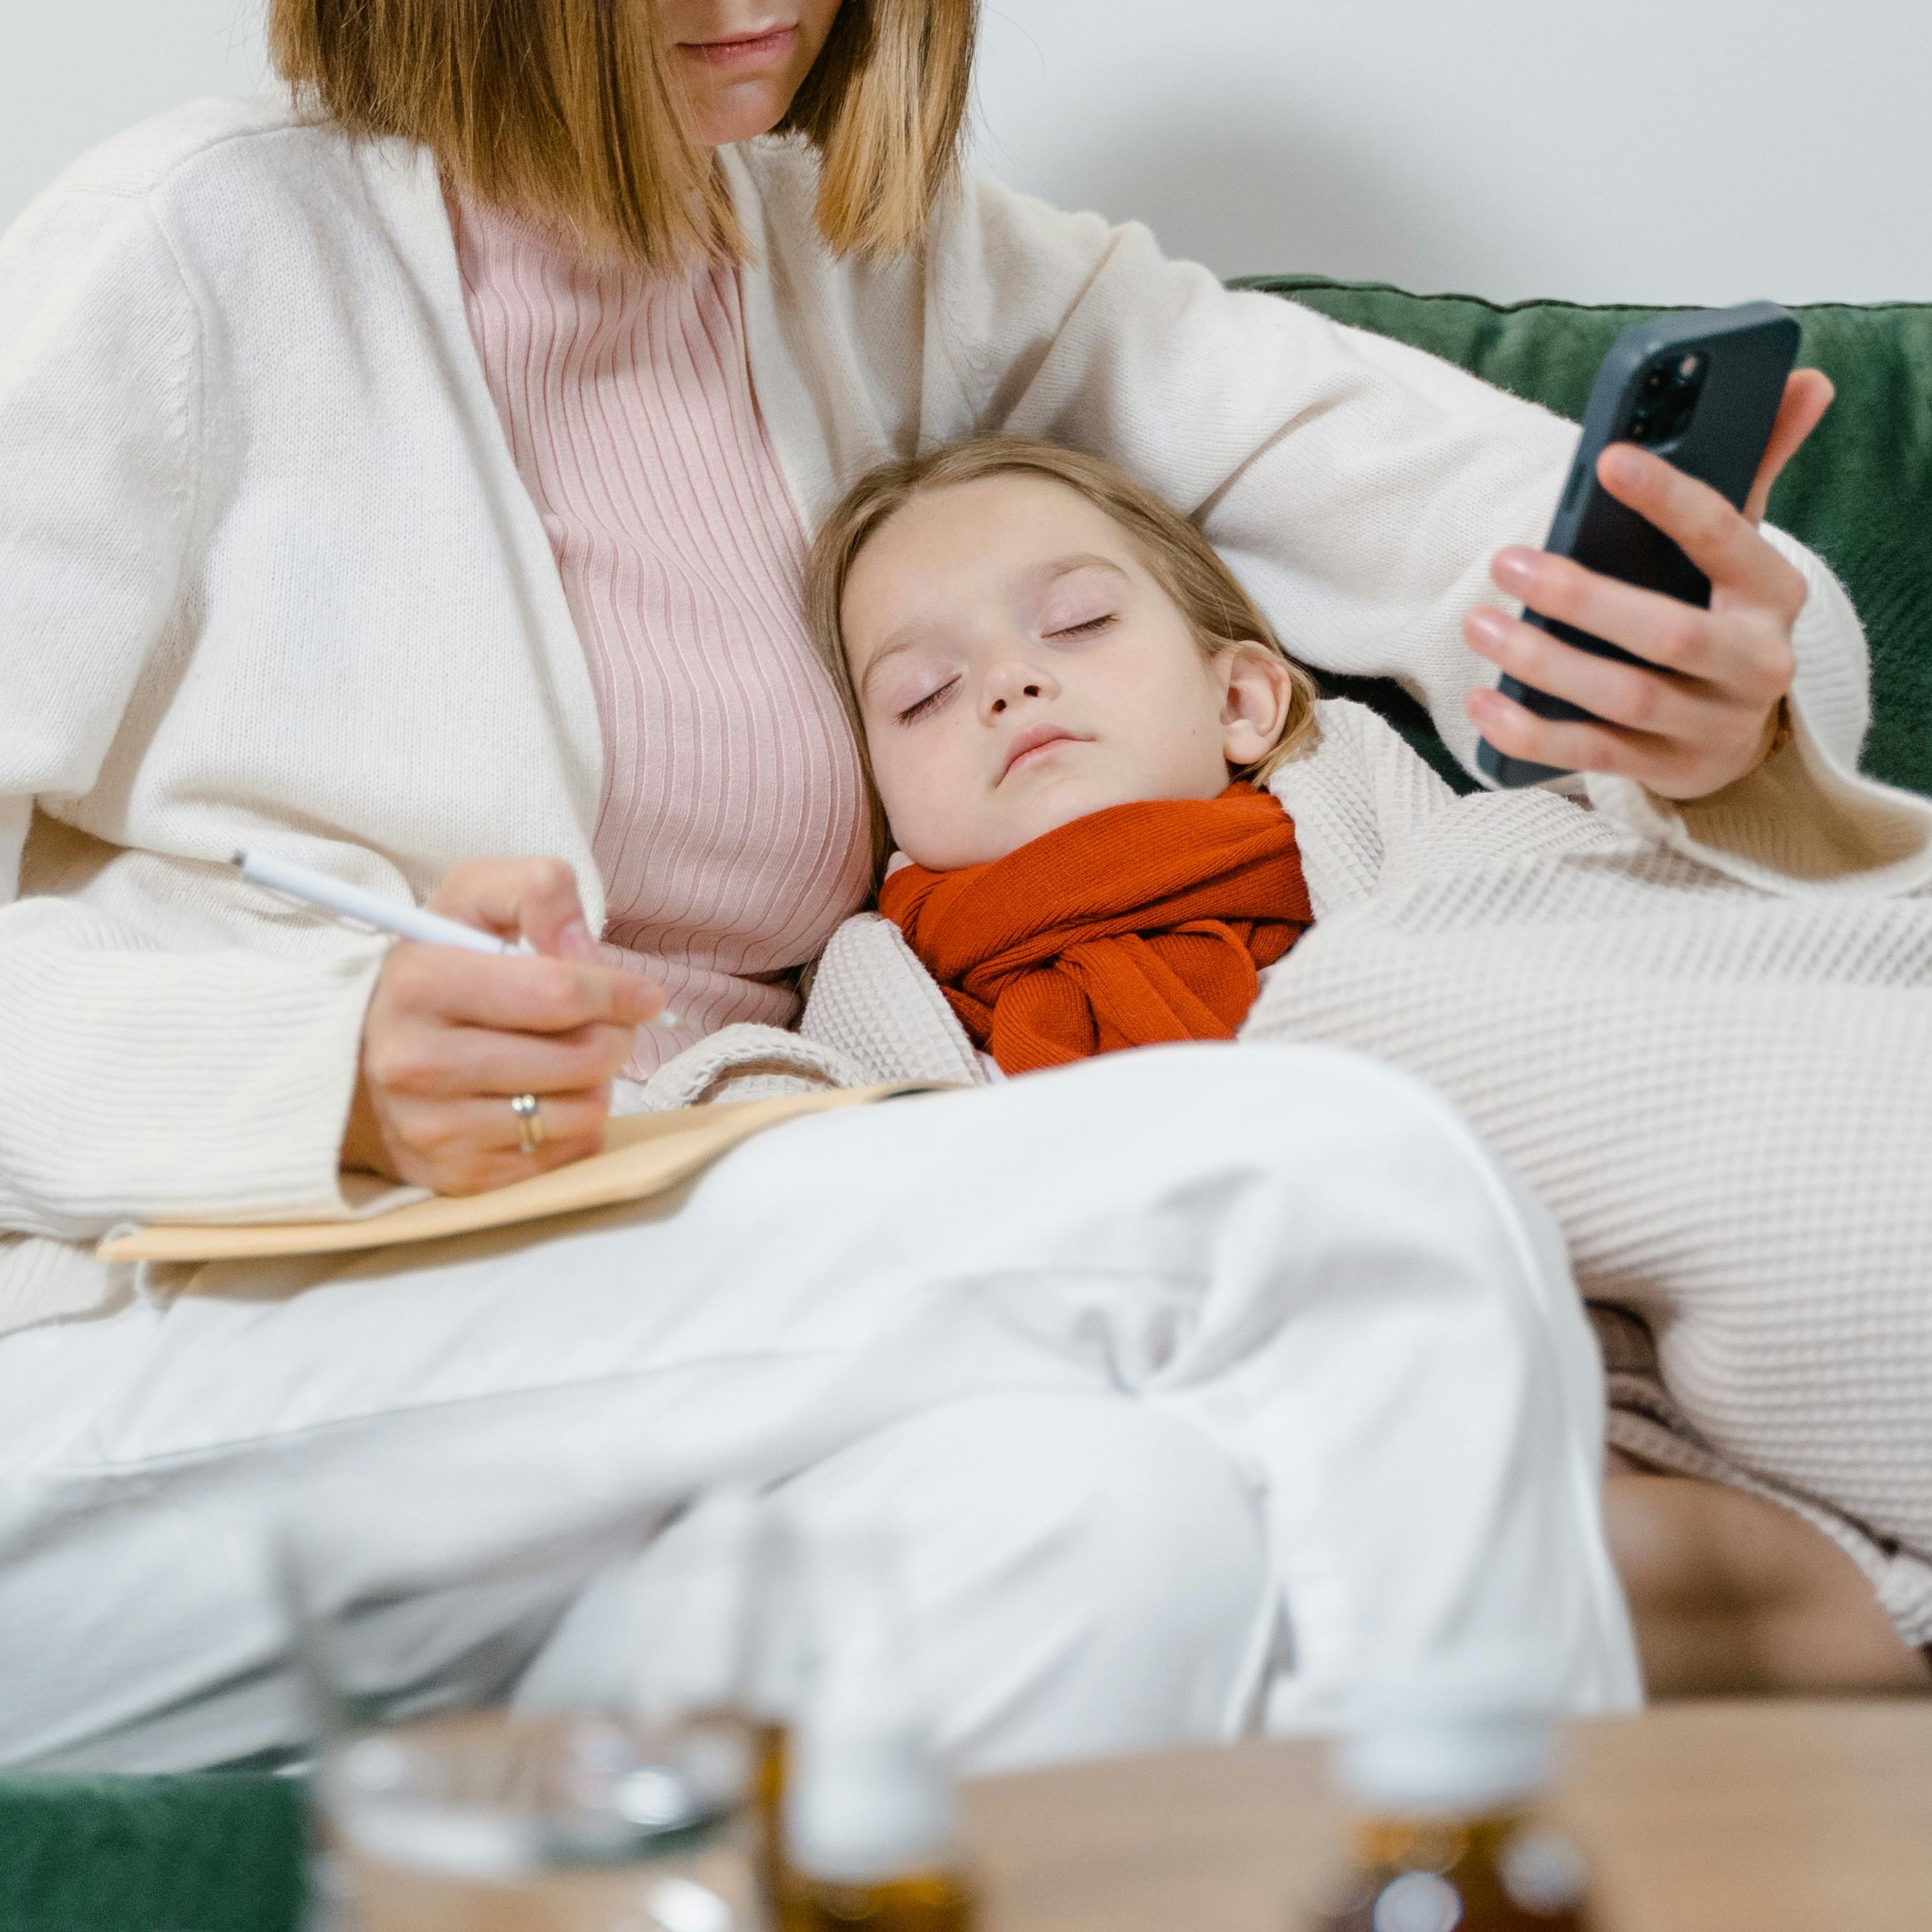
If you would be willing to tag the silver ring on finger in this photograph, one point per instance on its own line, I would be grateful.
(528, 1111)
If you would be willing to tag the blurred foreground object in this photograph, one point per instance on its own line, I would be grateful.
(871, 1825)
(1445, 1836)
(490, 1823)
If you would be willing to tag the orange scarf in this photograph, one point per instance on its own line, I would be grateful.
(1136, 925)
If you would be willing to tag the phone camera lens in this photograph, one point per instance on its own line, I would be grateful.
(1654, 383)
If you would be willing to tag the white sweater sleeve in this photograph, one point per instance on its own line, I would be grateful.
(1357, 794)
(143, 1082)
(1807, 821)
(1358, 488)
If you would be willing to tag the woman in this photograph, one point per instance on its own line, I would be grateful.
(423, 477)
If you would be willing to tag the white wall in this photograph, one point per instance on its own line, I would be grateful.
(1695, 151)
(72, 72)
(1657, 150)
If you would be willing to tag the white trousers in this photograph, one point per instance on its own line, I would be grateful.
(1207, 1381)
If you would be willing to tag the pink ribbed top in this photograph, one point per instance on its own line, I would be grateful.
(731, 835)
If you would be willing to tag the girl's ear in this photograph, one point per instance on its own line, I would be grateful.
(1257, 694)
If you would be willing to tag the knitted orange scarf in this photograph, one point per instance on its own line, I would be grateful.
(1136, 925)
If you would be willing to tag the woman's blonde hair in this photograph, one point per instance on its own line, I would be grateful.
(573, 112)
(1220, 613)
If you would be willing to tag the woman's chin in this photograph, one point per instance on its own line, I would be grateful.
(723, 113)
(724, 130)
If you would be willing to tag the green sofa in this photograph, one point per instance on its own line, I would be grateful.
(1859, 493)
(222, 1853)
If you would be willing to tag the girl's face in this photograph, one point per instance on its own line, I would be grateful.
(1019, 666)
(744, 60)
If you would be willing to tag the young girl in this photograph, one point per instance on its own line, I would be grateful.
(1119, 816)
(1067, 704)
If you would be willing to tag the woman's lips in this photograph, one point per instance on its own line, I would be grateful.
(1034, 741)
(747, 50)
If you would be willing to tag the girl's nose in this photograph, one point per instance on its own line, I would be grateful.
(1009, 684)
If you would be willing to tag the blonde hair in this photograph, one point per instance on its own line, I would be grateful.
(1220, 613)
(573, 112)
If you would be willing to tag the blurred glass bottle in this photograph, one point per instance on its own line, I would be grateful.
(871, 1821)
(775, 1664)
(722, 1625)
(1445, 1834)
(433, 1817)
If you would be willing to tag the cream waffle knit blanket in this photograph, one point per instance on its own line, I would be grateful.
(1704, 1038)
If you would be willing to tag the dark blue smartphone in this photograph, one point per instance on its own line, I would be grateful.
(1702, 390)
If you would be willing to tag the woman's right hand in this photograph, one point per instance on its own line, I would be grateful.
(450, 1036)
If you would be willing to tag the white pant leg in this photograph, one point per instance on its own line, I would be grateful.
(1155, 1630)
(1298, 1253)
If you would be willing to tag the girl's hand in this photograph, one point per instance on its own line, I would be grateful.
(1706, 714)
(451, 1036)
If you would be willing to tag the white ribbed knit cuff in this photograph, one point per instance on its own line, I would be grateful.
(1807, 820)
(1832, 687)
(208, 1086)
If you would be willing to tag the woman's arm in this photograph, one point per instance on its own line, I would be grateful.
(1806, 820)
(149, 1079)
(1357, 487)
(1797, 819)
(155, 1085)
(190, 1054)
(1361, 489)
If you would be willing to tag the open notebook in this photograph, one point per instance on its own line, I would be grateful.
(645, 1154)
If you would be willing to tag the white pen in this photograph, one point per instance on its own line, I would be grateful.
(405, 922)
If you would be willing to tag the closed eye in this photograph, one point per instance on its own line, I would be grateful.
(1091, 628)
(929, 703)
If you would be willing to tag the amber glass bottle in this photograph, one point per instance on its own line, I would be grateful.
(1446, 1834)
(924, 1902)
(870, 1826)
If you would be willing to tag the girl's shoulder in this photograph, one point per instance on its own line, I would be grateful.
(872, 1000)
(1352, 744)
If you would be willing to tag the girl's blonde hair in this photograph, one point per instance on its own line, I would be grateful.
(1220, 613)
(573, 112)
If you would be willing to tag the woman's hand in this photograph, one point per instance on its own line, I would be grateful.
(1706, 714)
(451, 1036)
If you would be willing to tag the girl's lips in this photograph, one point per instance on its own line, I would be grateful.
(751, 50)
(1033, 742)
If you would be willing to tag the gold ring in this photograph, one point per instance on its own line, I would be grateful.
(529, 1120)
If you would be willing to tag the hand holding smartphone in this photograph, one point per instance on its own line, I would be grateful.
(1701, 391)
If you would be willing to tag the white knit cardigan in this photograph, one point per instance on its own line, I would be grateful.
(1717, 1075)
(269, 576)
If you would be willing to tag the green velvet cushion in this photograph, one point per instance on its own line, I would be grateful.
(1859, 493)
(212, 1853)
(223, 1853)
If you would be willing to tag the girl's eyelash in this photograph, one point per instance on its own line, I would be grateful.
(913, 713)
